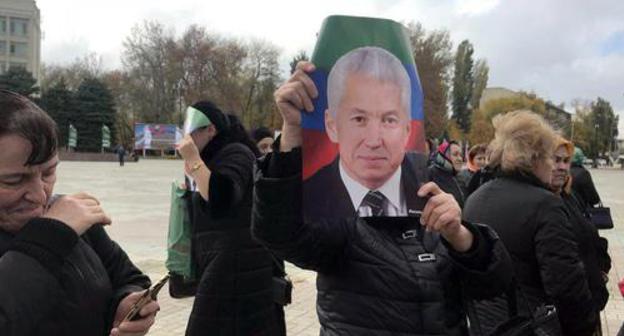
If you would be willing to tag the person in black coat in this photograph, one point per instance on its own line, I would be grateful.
(60, 273)
(582, 182)
(477, 159)
(447, 161)
(592, 248)
(377, 275)
(533, 224)
(234, 295)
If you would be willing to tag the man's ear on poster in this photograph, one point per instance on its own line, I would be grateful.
(330, 126)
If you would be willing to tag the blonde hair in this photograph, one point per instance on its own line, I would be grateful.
(569, 147)
(521, 138)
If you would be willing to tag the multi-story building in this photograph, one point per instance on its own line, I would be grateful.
(20, 36)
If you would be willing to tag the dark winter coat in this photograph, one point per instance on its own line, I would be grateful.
(234, 296)
(447, 182)
(592, 250)
(53, 282)
(463, 177)
(584, 187)
(533, 224)
(376, 276)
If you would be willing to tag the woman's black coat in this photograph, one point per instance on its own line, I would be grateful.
(533, 224)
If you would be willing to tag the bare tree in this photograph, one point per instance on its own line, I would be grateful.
(153, 82)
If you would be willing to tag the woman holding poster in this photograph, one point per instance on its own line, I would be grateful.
(391, 251)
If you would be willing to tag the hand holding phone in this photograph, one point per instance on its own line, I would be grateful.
(149, 295)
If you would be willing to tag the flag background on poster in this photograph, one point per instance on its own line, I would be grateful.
(338, 36)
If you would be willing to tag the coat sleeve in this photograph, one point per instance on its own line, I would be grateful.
(486, 269)
(29, 270)
(231, 178)
(588, 189)
(562, 272)
(278, 221)
(124, 276)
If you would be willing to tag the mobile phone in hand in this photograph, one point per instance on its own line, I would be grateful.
(150, 294)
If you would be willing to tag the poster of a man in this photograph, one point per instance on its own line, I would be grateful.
(368, 116)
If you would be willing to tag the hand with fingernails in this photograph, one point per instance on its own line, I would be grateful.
(137, 327)
(79, 211)
(442, 214)
(292, 97)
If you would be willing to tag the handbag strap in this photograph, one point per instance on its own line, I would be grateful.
(512, 299)
(277, 263)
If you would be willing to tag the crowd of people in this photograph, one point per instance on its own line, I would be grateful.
(453, 249)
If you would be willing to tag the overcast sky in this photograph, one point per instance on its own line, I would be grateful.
(560, 49)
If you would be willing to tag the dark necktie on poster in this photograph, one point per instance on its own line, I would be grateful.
(373, 205)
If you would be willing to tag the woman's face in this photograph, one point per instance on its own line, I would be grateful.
(24, 190)
(542, 169)
(266, 145)
(203, 135)
(479, 160)
(561, 168)
(456, 157)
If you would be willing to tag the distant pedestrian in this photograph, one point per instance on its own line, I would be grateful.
(121, 154)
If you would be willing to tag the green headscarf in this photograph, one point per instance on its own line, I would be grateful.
(195, 119)
(578, 157)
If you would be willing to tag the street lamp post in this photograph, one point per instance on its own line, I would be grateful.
(595, 163)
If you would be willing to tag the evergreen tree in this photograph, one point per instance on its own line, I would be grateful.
(19, 80)
(463, 83)
(96, 108)
(481, 76)
(60, 104)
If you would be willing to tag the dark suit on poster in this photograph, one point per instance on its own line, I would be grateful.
(326, 196)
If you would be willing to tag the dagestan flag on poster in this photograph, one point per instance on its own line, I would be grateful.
(338, 36)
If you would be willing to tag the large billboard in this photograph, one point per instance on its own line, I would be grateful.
(156, 136)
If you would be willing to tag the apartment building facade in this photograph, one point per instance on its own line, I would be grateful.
(20, 36)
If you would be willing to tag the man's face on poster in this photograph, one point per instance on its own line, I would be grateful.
(371, 127)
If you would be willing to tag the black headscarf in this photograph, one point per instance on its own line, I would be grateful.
(261, 133)
(229, 130)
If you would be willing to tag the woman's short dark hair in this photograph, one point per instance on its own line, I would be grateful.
(20, 116)
(476, 150)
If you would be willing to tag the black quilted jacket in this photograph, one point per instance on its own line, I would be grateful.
(375, 277)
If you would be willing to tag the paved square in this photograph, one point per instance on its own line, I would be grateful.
(136, 196)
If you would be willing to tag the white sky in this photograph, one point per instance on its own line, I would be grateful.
(560, 49)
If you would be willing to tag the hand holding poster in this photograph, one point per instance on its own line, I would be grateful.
(367, 121)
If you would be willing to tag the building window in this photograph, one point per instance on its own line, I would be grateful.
(19, 27)
(19, 49)
(2, 68)
(2, 25)
(3, 48)
(16, 65)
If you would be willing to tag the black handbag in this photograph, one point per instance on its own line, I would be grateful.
(282, 285)
(543, 322)
(600, 217)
